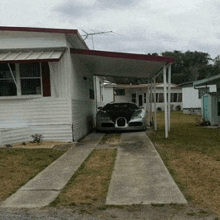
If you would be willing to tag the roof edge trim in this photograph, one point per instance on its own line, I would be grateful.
(206, 80)
(123, 55)
(35, 29)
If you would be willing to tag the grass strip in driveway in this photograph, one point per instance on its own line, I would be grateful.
(18, 166)
(89, 185)
(192, 155)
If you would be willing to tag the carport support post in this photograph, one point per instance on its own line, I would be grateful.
(165, 100)
(148, 101)
(151, 102)
(169, 90)
(155, 107)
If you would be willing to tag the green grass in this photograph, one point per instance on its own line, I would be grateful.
(185, 134)
(192, 155)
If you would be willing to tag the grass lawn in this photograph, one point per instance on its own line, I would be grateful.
(192, 154)
(18, 166)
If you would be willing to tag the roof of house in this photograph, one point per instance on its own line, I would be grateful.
(105, 63)
(207, 81)
(72, 35)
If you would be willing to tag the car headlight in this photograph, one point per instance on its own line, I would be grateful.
(101, 115)
(137, 115)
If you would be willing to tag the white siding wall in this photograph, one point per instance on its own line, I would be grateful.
(191, 98)
(83, 118)
(83, 108)
(14, 135)
(47, 116)
(60, 77)
(20, 39)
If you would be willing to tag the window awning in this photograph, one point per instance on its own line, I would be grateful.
(18, 56)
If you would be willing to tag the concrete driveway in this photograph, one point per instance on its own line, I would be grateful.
(139, 176)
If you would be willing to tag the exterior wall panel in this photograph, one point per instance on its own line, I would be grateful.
(83, 114)
(46, 116)
(21, 39)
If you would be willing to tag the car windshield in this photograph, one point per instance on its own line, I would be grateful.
(119, 106)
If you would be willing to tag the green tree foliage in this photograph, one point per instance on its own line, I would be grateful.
(192, 66)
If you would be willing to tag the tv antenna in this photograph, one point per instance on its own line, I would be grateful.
(86, 35)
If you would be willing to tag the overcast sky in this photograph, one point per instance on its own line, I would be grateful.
(138, 26)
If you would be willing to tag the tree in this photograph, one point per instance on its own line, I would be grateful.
(188, 66)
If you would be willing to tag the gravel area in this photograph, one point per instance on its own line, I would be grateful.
(155, 212)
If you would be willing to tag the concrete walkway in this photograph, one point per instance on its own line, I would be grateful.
(47, 185)
(140, 176)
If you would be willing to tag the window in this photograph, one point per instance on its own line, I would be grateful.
(119, 92)
(160, 97)
(91, 94)
(7, 80)
(24, 79)
(203, 91)
(173, 97)
(133, 97)
(179, 97)
(145, 97)
(30, 76)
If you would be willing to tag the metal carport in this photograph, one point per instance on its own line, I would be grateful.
(127, 65)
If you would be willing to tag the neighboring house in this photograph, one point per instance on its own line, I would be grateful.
(140, 95)
(191, 99)
(210, 100)
(44, 89)
(104, 91)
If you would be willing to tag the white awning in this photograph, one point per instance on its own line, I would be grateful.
(30, 56)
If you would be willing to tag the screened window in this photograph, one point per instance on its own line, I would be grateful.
(173, 97)
(7, 80)
(180, 97)
(30, 76)
(91, 94)
(160, 97)
(203, 91)
(145, 98)
(133, 97)
(24, 79)
(119, 92)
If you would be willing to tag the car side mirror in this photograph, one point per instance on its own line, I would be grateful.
(99, 108)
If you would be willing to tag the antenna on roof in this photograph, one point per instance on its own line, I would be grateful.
(86, 35)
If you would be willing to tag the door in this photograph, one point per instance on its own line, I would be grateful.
(205, 108)
(140, 100)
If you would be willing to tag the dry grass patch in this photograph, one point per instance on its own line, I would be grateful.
(89, 185)
(192, 155)
(43, 144)
(18, 166)
(111, 138)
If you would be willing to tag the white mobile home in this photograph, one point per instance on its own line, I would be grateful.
(47, 82)
(140, 95)
(41, 89)
(191, 99)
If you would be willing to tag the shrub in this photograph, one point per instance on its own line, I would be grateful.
(37, 138)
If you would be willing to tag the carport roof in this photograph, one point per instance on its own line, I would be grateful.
(114, 64)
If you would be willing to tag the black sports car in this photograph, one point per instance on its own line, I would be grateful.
(120, 116)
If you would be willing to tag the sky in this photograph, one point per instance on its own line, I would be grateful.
(132, 26)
